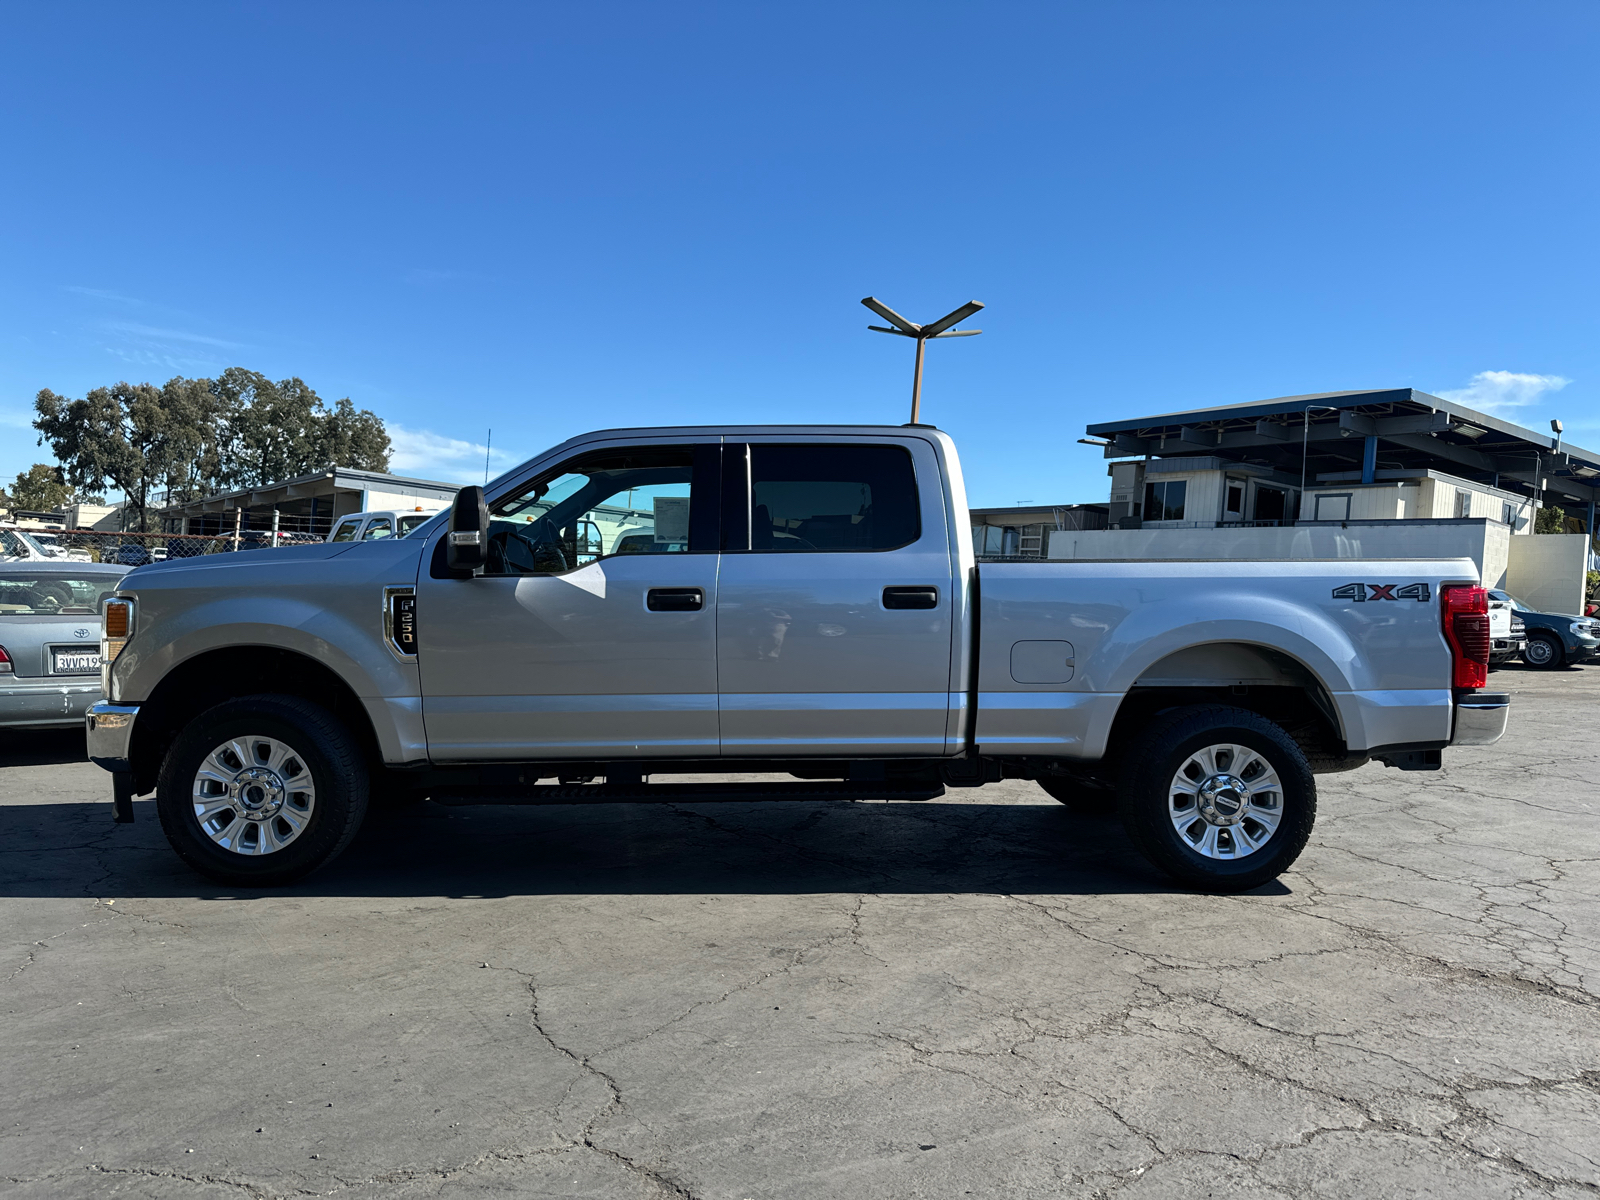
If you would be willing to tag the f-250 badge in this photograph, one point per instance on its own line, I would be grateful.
(1382, 591)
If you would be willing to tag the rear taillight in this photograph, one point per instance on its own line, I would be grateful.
(1466, 628)
(5, 662)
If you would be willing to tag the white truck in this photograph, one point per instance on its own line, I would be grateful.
(639, 604)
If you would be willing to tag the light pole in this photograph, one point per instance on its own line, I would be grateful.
(1305, 436)
(936, 329)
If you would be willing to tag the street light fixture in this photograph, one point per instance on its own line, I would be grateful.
(910, 329)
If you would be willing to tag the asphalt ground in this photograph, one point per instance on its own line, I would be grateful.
(979, 996)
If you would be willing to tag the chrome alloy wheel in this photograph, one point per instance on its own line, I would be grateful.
(253, 795)
(1225, 801)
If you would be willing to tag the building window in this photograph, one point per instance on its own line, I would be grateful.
(1235, 499)
(1333, 508)
(1269, 504)
(1463, 503)
(1508, 514)
(1164, 501)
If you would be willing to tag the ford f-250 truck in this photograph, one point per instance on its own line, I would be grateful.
(638, 604)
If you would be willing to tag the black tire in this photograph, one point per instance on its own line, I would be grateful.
(1544, 652)
(1153, 761)
(1080, 800)
(325, 749)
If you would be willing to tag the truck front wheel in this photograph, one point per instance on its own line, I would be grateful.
(1219, 798)
(262, 790)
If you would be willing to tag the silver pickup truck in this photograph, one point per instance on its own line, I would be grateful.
(640, 604)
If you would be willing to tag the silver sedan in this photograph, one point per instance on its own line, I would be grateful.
(50, 640)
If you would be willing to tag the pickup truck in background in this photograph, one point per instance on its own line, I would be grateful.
(639, 604)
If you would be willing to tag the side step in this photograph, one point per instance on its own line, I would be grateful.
(685, 793)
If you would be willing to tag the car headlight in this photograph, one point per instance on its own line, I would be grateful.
(1583, 628)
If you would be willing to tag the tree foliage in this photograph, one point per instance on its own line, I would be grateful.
(1550, 519)
(192, 437)
(40, 489)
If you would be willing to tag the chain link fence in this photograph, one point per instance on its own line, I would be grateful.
(138, 549)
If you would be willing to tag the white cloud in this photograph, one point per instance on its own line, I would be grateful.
(134, 329)
(1495, 391)
(430, 455)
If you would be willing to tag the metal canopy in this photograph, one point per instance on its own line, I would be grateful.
(1380, 430)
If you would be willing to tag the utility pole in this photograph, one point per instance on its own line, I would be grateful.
(910, 329)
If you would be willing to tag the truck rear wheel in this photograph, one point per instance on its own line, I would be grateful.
(261, 791)
(1219, 798)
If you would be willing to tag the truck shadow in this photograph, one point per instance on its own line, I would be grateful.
(42, 747)
(72, 850)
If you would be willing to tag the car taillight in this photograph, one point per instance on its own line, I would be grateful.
(1466, 628)
(5, 662)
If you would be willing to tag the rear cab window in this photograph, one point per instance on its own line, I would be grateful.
(54, 595)
(346, 532)
(377, 529)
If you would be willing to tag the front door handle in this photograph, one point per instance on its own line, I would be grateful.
(674, 599)
(911, 597)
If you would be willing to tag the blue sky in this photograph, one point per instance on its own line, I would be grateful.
(547, 219)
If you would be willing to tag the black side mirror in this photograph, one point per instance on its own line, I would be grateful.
(467, 543)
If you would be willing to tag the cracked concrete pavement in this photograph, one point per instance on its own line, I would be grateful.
(979, 996)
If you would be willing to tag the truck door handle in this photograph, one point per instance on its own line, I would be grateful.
(911, 597)
(674, 599)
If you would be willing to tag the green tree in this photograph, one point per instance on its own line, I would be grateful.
(269, 431)
(40, 488)
(131, 436)
(1550, 520)
(194, 437)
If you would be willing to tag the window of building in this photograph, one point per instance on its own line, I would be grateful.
(1235, 499)
(1332, 508)
(1463, 502)
(1508, 514)
(1269, 504)
(805, 498)
(1164, 501)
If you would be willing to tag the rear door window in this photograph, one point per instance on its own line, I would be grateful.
(832, 498)
(347, 532)
(378, 529)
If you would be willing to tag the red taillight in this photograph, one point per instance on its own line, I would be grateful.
(5, 662)
(1466, 628)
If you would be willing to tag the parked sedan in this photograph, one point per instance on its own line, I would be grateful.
(1554, 639)
(50, 640)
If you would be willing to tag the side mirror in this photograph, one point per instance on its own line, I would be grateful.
(467, 543)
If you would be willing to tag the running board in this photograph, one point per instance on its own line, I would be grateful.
(684, 793)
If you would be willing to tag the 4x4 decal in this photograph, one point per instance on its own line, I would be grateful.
(1383, 591)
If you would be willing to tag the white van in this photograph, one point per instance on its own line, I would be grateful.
(380, 523)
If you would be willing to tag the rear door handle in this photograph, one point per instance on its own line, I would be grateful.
(911, 597)
(674, 599)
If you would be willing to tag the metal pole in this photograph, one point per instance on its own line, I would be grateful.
(1305, 436)
(274, 529)
(238, 516)
(916, 384)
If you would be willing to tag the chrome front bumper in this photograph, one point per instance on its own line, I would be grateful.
(110, 730)
(1481, 718)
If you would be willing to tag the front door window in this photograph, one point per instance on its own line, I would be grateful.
(614, 502)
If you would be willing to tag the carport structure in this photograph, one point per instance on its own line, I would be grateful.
(1366, 435)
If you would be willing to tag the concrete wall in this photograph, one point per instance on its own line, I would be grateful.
(1547, 572)
(1485, 542)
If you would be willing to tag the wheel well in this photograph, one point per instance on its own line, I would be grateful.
(1263, 680)
(208, 679)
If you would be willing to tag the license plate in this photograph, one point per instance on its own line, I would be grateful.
(75, 662)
